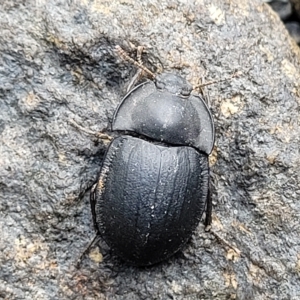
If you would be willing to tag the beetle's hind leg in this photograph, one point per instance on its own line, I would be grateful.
(208, 208)
(92, 203)
(87, 249)
(97, 236)
(208, 221)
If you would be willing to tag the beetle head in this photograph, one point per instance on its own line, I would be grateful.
(174, 84)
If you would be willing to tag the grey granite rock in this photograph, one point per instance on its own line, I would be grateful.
(58, 64)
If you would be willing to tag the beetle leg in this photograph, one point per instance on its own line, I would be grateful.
(93, 202)
(97, 236)
(134, 80)
(139, 72)
(208, 208)
(87, 249)
(208, 221)
(216, 81)
(125, 56)
(206, 97)
(139, 52)
(100, 135)
(225, 242)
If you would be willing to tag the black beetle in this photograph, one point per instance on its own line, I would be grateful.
(153, 185)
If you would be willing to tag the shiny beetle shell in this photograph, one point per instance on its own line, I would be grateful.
(154, 182)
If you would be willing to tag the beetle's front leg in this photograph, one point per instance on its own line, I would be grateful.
(100, 135)
(139, 72)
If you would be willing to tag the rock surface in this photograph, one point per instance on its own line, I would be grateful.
(58, 64)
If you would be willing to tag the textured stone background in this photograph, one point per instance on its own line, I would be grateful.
(57, 64)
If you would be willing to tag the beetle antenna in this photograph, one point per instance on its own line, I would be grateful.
(199, 86)
(125, 56)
